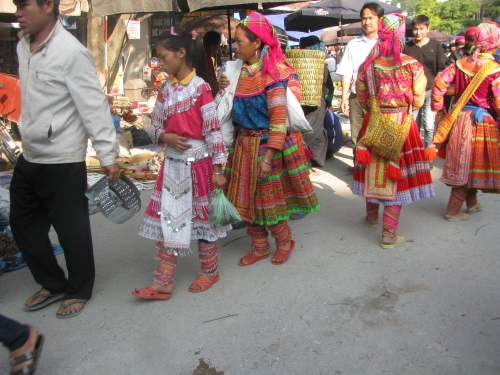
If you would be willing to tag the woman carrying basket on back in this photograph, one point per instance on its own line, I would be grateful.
(469, 136)
(391, 167)
(266, 170)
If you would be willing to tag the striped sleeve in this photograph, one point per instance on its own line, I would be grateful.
(441, 83)
(419, 85)
(276, 104)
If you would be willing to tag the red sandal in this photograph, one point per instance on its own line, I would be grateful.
(251, 258)
(150, 293)
(203, 283)
(283, 254)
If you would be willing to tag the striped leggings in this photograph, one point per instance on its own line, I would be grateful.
(457, 198)
(207, 252)
(390, 220)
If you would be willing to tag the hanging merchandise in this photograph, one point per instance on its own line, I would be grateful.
(146, 73)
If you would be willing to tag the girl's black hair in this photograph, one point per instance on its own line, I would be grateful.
(195, 52)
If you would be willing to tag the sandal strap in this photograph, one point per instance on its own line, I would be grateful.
(23, 358)
(64, 305)
(25, 370)
(43, 295)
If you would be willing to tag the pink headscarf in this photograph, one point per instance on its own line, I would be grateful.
(487, 37)
(262, 29)
(391, 33)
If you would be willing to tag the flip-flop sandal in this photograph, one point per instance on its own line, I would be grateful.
(64, 305)
(34, 355)
(476, 209)
(298, 215)
(203, 283)
(283, 254)
(458, 218)
(399, 240)
(49, 298)
(150, 293)
(251, 259)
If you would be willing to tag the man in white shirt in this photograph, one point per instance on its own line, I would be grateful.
(355, 54)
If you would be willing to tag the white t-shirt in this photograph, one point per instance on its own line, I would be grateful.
(355, 54)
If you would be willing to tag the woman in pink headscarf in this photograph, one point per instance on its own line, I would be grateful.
(266, 171)
(470, 145)
(397, 83)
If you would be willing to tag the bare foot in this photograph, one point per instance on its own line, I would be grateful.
(32, 302)
(29, 346)
(76, 307)
(197, 287)
(285, 248)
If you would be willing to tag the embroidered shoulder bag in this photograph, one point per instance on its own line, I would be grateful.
(383, 136)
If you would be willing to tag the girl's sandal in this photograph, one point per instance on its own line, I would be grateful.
(203, 283)
(283, 254)
(150, 293)
(251, 259)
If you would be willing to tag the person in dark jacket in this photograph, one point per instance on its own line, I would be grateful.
(430, 54)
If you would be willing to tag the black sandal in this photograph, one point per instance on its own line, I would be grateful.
(33, 355)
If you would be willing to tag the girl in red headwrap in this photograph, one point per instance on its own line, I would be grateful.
(266, 171)
(471, 145)
(398, 83)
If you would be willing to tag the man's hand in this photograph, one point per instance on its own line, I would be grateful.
(112, 171)
(176, 141)
(344, 106)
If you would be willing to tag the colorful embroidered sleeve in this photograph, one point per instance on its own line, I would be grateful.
(158, 117)
(294, 85)
(362, 88)
(211, 126)
(495, 87)
(276, 104)
(419, 85)
(441, 84)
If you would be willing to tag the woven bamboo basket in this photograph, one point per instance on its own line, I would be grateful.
(310, 67)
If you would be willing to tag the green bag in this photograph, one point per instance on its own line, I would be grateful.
(221, 212)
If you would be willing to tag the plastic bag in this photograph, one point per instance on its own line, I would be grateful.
(221, 212)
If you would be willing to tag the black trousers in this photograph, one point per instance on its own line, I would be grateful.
(45, 194)
(13, 334)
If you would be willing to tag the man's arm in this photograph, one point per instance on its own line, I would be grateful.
(92, 106)
(346, 86)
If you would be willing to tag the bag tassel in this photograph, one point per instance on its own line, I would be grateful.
(394, 172)
(441, 152)
(430, 153)
(363, 156)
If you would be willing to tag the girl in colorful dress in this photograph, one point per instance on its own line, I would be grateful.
(398, 82)
(185, 120)
(267, 170)
(471, 144)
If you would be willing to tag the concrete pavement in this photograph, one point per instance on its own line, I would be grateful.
(340, 305)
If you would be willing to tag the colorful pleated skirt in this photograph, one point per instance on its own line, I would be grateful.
(269, 201)
(480, 159)
(416, 183)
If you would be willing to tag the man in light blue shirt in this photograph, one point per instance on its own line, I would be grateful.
(355, 54)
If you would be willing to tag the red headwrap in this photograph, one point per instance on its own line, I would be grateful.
(487, 37)
(262, 29)
(391, 33)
